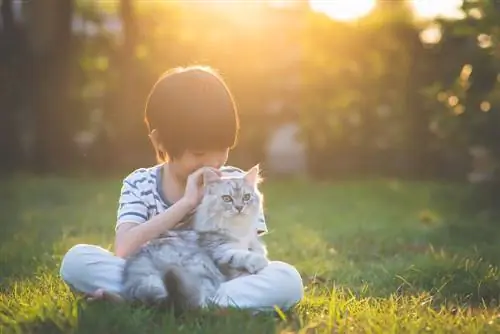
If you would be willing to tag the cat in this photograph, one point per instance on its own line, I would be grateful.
(185, 268)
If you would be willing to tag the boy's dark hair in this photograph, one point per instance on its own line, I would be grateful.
(191, 109)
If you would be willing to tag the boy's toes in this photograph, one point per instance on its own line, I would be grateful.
(100, 294)
(96, 295)
(113, 297)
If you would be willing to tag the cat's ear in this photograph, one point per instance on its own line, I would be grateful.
(252, 176)
(210, 177)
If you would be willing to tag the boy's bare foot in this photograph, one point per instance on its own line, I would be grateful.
(100, 294)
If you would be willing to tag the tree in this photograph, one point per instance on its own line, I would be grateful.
(362, 111)
(52, 55)
(472, 95)
(13, 54)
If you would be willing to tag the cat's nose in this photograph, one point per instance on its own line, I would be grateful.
(238, 207)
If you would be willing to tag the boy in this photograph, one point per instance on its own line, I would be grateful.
(193, 123)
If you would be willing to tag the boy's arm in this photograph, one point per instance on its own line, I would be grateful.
(134, 211)
(132, 235)
(134, 227)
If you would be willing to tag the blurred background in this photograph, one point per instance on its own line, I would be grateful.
(328, 89)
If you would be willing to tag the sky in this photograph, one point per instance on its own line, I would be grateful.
(346, 10)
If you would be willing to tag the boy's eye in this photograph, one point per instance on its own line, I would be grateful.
(246, 197)
(227, 198)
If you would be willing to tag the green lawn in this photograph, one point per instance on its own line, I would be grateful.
(376, 256)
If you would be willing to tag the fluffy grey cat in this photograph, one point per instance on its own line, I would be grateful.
(185, 268)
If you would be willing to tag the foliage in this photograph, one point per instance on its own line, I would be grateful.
(370, 97)
(358, 102)
(471, 94)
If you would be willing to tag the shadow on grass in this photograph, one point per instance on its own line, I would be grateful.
(40, 217)
(462, 264)
(455, 261)
(465, 251)
(163, 321)
(104, 317)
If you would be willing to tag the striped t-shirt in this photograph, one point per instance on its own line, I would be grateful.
(141, 196)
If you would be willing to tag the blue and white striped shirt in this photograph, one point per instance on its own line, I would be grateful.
(141, 196)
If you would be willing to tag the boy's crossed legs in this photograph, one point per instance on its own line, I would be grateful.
(88, 268)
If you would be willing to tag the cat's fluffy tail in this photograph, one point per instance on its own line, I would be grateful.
(184, 290)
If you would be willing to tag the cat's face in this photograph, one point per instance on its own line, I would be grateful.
(232, 196)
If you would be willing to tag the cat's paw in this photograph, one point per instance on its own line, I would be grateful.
(255, 263)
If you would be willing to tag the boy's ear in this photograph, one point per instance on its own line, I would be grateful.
(153, 136)
(155, 141)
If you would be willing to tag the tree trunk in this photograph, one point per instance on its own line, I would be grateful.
(50, 40)
(415, 106)
(126, 104)
(12, 57)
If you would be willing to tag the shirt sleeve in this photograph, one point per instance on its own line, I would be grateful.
(261, 224)
(131, 206)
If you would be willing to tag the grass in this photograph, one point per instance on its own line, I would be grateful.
(378, 256)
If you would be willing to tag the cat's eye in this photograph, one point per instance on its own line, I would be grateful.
(227, 198)
(246, 197)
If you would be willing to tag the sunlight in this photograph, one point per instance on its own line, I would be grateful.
(343, 10)
(431, 35)
(429, 9)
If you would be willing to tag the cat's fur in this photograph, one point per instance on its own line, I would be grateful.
(186, 267)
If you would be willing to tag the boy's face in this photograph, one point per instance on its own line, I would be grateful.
(190, 161)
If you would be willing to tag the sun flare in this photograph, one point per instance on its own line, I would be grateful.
(343, 10)
(429, 9)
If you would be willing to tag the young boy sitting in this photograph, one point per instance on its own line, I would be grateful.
(193, 123)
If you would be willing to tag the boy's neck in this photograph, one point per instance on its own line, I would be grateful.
(173, 183)
(174, 174)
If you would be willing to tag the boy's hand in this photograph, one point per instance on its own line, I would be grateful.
(194, 186)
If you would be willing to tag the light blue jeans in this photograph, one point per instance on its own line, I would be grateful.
(87, 268)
